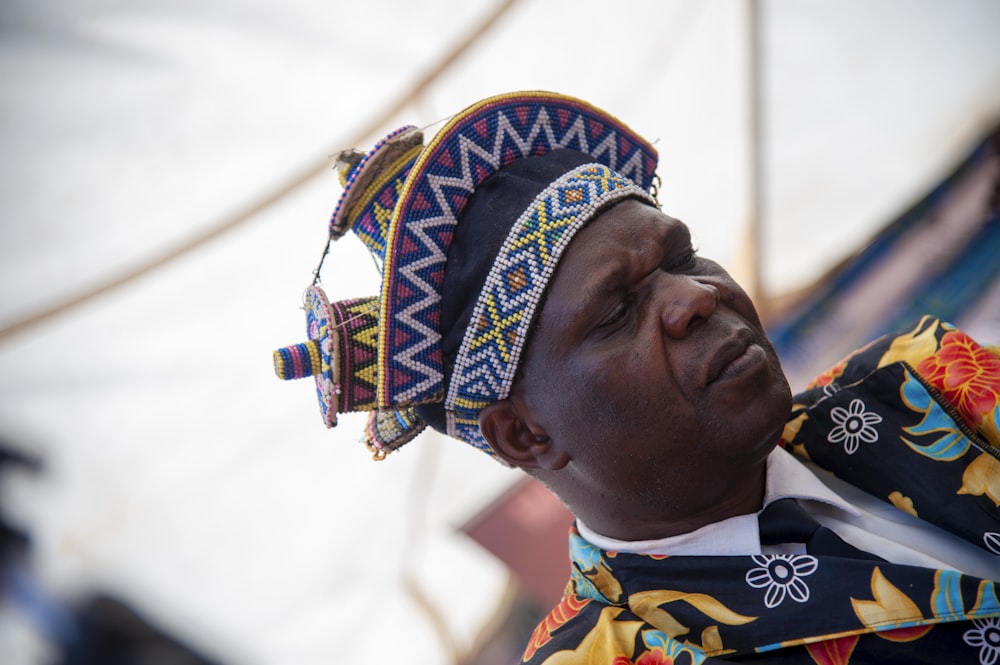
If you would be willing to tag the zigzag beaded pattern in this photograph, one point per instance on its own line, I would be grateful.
(341, 356)
(472, 146)
(372, 222)
(490, 352)
(357, 331)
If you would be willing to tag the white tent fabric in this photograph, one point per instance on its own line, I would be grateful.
(180, 474)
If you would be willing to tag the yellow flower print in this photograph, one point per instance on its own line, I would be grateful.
(903, 502)
(648, 606)
(607, 640)
(890, 607)
(982, 476)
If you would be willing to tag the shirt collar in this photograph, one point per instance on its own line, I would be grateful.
(786, 477)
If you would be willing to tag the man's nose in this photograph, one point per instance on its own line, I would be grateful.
(685, 302)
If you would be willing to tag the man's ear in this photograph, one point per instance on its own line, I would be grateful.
(518, 441)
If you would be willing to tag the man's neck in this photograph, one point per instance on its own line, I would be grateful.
(739, 493)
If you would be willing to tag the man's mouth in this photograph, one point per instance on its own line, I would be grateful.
(735, 355)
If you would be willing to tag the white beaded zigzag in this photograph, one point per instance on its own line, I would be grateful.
(506, 307)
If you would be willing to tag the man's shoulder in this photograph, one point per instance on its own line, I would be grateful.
(913, 419)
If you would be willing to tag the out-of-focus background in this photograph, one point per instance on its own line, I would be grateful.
(165, 185)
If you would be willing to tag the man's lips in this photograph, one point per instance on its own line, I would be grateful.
(724, 361)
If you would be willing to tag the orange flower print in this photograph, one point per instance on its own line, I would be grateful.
(660, 650)
(654, 657)
(829, 377)
(966, 374)
(567, 608)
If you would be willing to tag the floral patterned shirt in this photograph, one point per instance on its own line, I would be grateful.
(914, 419)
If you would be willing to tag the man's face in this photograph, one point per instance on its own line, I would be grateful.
(650, 368)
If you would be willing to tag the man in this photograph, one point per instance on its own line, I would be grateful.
(537, 304)
(644, 337)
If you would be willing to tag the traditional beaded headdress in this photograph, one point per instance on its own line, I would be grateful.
(469, 230)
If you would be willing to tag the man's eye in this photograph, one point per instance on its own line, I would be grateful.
(618, 314)
(684, 261)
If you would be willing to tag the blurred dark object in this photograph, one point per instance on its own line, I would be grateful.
(109, 632)
(13, 541)
(99, 631)
(993, 208)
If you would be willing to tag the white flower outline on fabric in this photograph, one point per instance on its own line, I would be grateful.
(986, 636)
(992, 541)
(781, 574)
(854, 425)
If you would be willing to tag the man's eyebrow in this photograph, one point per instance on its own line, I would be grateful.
(683, 232)
(604, 284)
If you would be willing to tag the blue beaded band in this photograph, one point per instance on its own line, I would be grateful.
(506, 307)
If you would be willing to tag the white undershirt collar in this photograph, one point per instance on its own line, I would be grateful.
(736, 536)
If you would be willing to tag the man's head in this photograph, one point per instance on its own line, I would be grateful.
(648, 392)
(648, 387)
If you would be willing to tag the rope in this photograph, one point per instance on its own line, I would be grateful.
(296, 181)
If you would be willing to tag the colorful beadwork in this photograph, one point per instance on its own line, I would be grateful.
(387, 431)
(506, 307)
(341, 354)
(318, 357)
(382, 355)
(298, 361)
(356, 331)
(372, 186)
(472, 146)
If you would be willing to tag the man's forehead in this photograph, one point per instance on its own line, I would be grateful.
(619, 232)
(604, 257)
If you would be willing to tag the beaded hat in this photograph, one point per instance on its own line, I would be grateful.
(468, 230)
